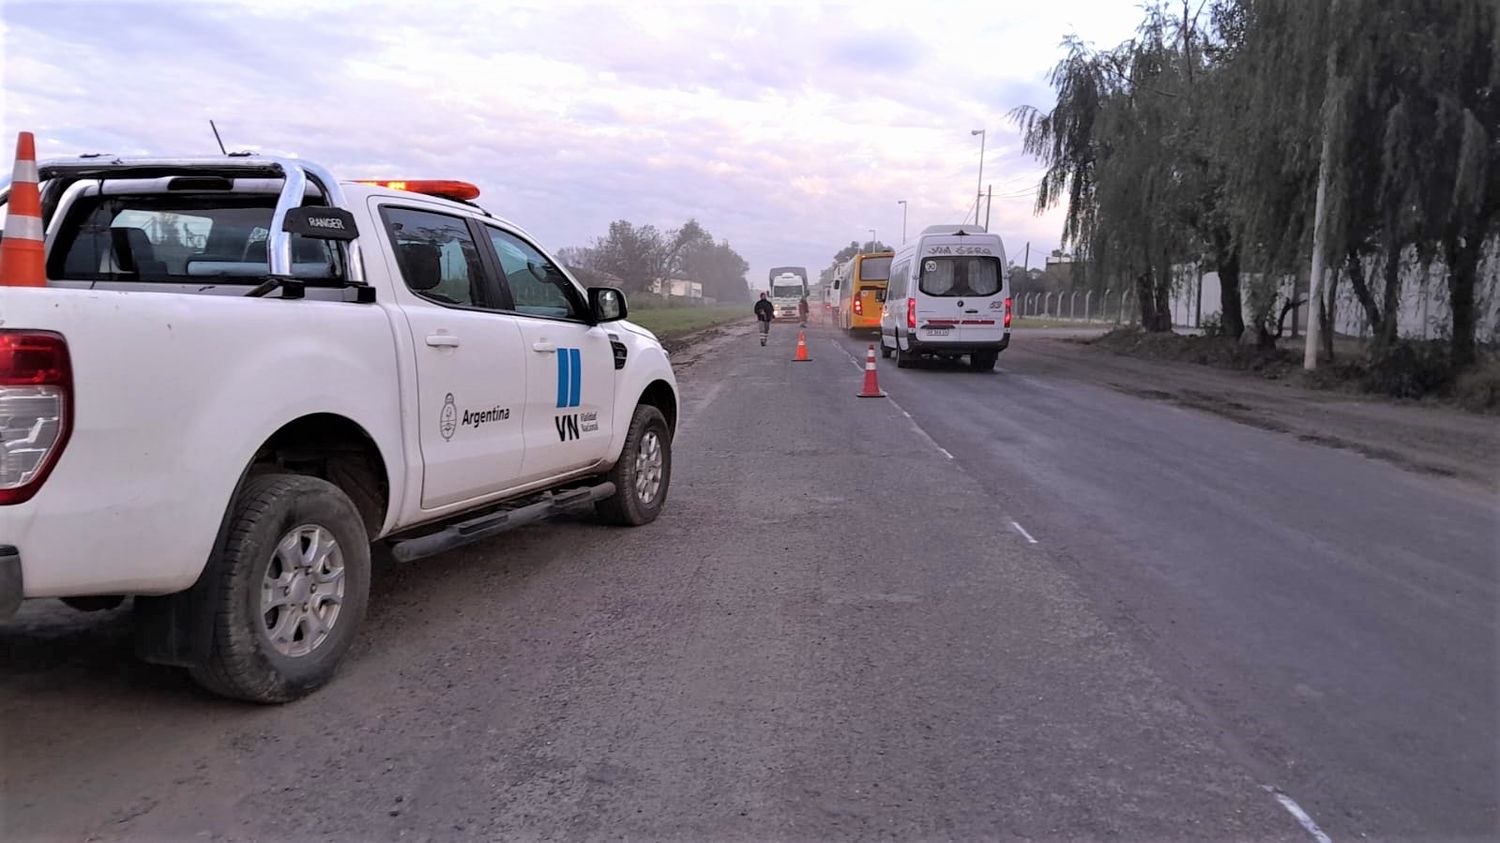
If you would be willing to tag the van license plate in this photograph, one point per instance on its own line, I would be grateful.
(938, 332)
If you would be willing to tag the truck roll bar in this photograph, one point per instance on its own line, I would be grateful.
(57, 174)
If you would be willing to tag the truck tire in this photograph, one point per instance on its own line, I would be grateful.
(290, 534)
(643, 472)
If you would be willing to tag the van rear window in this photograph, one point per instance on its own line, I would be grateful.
(971, 275)
(180, 238)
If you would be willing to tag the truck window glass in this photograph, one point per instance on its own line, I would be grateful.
(178, 238)
(439, 260)
(537, 285)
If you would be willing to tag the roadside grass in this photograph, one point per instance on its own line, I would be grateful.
(1028, 322)
(667, 323)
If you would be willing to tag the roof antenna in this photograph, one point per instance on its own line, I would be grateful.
(222, 150)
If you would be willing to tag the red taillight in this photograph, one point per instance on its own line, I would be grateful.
(36, 398)
(911, 314)
(859, 307)
(1007, 311)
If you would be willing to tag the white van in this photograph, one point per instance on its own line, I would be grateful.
(948, 296)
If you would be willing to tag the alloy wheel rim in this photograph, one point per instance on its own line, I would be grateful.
(302, 592)
(648, 468)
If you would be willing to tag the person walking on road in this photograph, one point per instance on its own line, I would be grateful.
(802, 310)
(764, 313)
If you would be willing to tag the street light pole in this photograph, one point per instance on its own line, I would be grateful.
(872, 238)
(979, 186)
(902, 203)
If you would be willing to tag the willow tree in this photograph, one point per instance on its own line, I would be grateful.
(1396, 101)
(1129, 146)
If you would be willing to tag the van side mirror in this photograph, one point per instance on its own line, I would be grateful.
(607, 304)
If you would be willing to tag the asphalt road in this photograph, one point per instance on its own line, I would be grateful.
(1002, 605)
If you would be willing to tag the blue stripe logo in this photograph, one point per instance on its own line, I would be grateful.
(569, 377)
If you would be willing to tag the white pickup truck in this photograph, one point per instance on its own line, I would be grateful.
(242, 372)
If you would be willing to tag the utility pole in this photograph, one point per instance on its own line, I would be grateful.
(902, 203)
(872, 238)
(1198, 316)
(1026, 261)
(979, 185)
(1320, 230)
(988, 200)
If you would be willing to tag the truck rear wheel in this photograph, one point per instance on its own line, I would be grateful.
(293, 585)
(643, 472)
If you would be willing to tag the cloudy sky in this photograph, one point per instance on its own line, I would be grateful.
(788, 128)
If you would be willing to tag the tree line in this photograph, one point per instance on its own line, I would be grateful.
(1220, 132)
(854, 248)
(636, 256)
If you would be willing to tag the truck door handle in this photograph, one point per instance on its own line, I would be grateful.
(543, 347)
(442, 340)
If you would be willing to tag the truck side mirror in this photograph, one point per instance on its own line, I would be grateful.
(607, 304)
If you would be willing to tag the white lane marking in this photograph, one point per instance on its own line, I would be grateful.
(852, 359)
(1300, 815)
(1022, 531)
(914, 426)
(919, 430)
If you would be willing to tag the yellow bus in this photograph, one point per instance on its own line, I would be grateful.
(859, 288)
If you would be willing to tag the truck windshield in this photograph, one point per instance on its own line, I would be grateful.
(787, 292)
(179, 237)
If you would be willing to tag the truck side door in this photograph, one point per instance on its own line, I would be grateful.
(570, 391)
(471, 372)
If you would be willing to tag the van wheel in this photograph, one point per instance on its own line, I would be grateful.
(643, 472)
(983, 361)
(885, 350)
(293, 582)
(904, 359)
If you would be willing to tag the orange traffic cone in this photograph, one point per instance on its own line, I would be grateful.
(872, 384)
(801, 348)
(22, 259)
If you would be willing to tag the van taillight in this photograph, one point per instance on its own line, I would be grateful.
(1007, 311)
(36, 397)
(911, 314)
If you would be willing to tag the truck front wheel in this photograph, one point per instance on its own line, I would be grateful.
(643, 472)
(293, 581)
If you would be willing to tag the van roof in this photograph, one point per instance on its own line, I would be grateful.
(959, 229)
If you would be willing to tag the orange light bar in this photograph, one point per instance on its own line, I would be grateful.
(445, 188)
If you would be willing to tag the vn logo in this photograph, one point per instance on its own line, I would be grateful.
(569, 391)
(569, 377)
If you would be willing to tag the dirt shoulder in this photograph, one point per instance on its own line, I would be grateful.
(1422, 438)
(687, 349)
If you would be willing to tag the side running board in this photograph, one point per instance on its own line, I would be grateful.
(482, 527)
